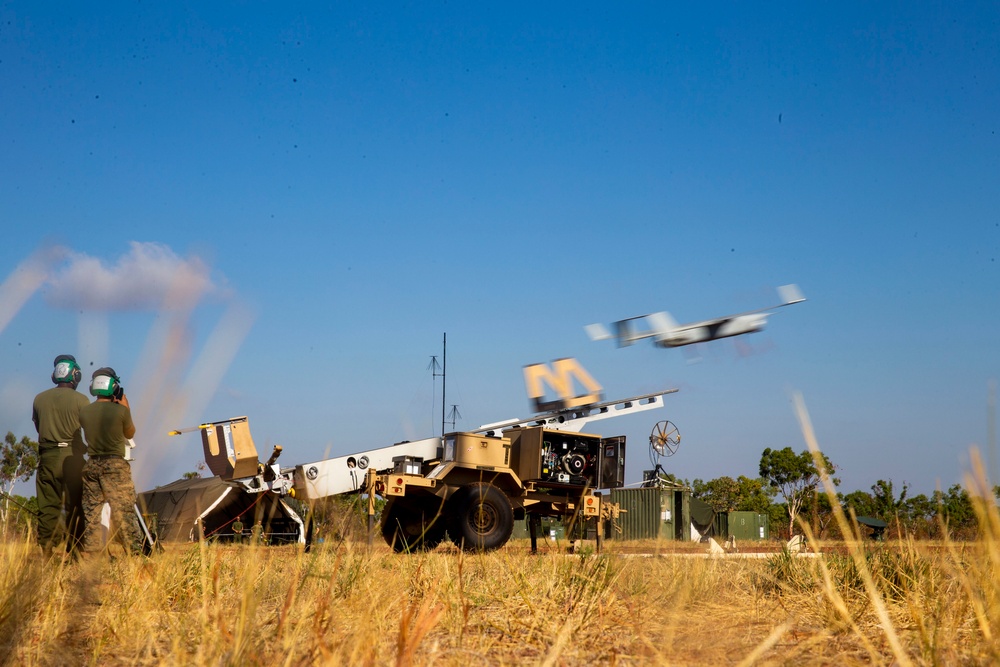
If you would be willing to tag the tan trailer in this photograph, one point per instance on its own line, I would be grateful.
(469, 487)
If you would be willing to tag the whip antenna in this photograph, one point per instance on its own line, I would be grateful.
(434, 367)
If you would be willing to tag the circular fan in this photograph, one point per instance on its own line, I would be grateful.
(665, 438)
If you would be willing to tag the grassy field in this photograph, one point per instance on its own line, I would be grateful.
(855, 603)
(658, 603)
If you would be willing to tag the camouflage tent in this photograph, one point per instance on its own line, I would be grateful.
(702, 517)
(184, 510)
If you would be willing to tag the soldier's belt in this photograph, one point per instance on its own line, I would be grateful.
(50, 446)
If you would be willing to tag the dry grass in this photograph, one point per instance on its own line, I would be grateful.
(348, 604)
(344, 603)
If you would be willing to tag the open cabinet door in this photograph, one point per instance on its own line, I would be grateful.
(612, 463)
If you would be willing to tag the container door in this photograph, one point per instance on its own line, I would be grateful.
(611, 462)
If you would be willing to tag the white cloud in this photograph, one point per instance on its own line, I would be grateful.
(149, 277)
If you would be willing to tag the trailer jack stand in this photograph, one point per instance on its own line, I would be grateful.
(370, 486)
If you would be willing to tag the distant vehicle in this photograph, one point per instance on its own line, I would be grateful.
(666, 332)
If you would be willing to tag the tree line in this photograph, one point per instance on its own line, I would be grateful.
(788, 489)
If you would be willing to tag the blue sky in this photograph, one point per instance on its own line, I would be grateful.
(343, 185)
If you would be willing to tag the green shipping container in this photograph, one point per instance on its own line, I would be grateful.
(748, 526)
(550, 528)
(652, 514)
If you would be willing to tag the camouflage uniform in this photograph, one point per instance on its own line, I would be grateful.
(108, 479)
(107, 476)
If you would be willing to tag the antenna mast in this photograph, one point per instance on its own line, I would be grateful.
(434, 366)
(444, 377)
(454, 415)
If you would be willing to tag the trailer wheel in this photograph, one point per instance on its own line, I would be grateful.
(482, 518)
(412, 526)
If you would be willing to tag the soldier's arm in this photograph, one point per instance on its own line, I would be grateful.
(129, 427)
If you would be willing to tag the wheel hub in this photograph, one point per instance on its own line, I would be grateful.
(484, 519)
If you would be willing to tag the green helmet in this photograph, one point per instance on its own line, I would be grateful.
(66, 370)
(104, 382)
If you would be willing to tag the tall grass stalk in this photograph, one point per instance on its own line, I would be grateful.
(852, 540)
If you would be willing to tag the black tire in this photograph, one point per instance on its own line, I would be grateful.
(409, 526)
(482, 518)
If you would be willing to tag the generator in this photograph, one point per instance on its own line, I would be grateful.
(562, 458)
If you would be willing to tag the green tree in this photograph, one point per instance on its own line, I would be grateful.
(919, 514)
(920, 507)
(777, 514)
(720, 493)
(887, 506)
(794, 476)
(755, 495)
(955, 507)
(881, 503)
(860, 501)
(18, 460)
(743, 494)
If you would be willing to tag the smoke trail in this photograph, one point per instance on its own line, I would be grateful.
(197, 390)
(149, 277)
(26, 278)
(167, 349)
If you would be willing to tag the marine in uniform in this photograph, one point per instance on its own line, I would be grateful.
(58, 486)
(107, 476)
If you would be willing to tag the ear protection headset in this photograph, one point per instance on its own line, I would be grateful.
(105, 382)
(66, 370)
